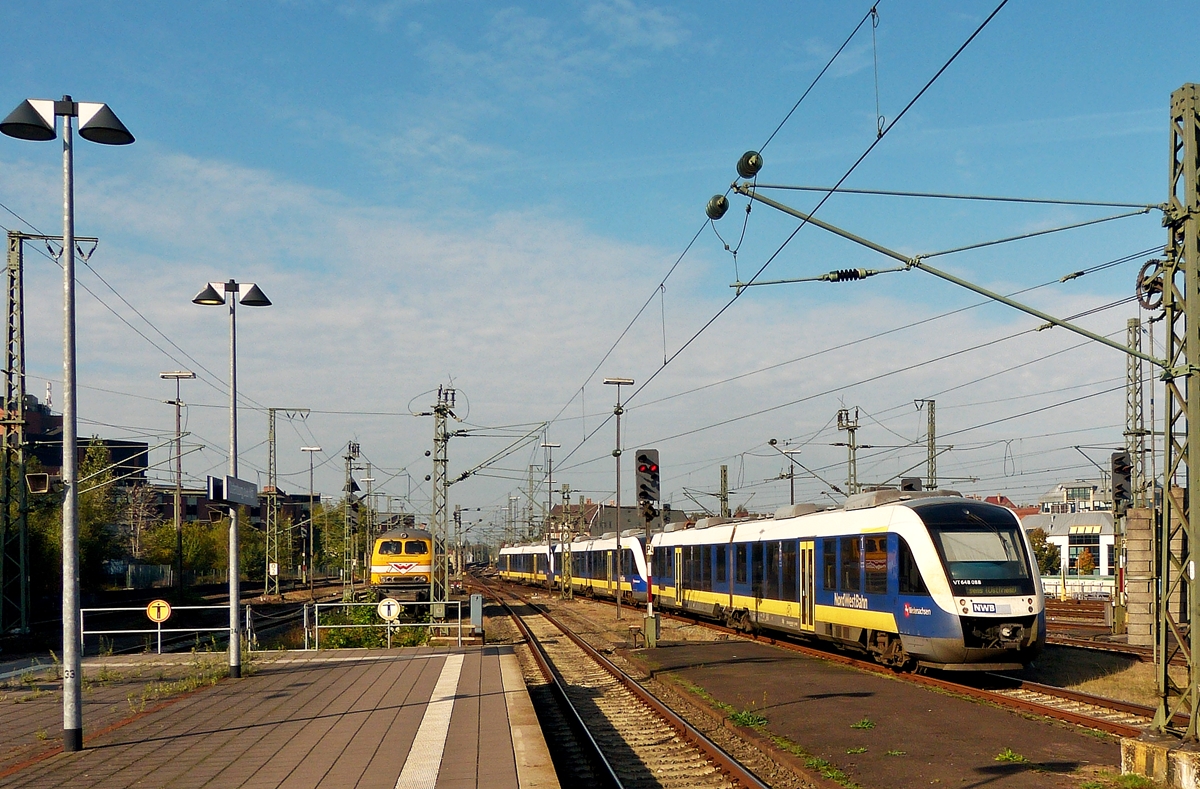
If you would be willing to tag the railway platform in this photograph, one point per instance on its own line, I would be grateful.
(413, 717)
(879, 730)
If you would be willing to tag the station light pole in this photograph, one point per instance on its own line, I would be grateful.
(549, 447)
(177, 376)
(312, 532)
(216, 294)
(617, 411)
(36, 119)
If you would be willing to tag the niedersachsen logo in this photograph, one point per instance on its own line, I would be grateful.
(910, 609)
(849, 600)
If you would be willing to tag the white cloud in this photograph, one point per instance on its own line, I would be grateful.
(374, 307)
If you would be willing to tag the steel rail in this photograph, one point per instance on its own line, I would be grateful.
(595, 755)
(727, 764)
(1129, 708)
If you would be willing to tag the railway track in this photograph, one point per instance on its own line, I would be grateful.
(1081, 709)
(626, 735)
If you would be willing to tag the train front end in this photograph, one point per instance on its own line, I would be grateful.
(401, 564)
(989, 611)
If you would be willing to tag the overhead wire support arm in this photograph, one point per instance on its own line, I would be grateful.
(749, 190)
(946, 196)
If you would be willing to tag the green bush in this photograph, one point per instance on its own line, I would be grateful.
(371, 635)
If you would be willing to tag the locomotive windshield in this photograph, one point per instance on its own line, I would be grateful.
(981, 548)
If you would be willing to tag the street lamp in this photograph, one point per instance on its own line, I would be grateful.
(36, 119)
(549, 447)
(215, 295)
(177, 376)
(308, 563)
(618, 410)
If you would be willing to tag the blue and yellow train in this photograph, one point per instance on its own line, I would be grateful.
(926, 579)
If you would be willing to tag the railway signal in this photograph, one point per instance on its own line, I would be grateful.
(649, 488)
(1122, 487)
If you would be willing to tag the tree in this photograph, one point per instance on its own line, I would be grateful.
(99, 515)
(1049, 560)
(1085, 563)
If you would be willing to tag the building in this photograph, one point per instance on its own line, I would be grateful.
(1020, 509)
(1080, 495)
(196, 506)
(1075, 532)
(594, 519)
(43, 436)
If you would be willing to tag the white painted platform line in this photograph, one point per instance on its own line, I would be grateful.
(425, 757)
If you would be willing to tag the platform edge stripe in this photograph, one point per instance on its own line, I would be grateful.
(535, 768)
(425, 756)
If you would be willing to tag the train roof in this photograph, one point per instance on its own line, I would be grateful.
(406, 533)
(863, 511)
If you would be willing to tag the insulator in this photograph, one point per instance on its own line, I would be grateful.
(749, 165)
(717, 206)
(846, 275)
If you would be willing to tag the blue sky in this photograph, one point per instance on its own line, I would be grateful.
(490, 192)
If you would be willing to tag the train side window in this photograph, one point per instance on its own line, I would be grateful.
(706, 567)
(757, 568)
(911, 581)
(851, 575)
(875, 555)
(739, 564)
(415, 547)
(790, 575)
(771, 570)
(722, 560)
(830, 562)
(389, 548)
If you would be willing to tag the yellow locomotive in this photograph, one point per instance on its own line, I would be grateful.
(402, 563)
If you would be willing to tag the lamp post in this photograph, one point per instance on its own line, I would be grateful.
(216, 294)
(177, 376)
(308, 562)
(617, 411)
(549, 447)
(36, 119)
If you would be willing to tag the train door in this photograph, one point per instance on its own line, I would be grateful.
(679, 577)
(808, 564)
(608, 561)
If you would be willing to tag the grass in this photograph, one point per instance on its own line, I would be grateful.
(1109, 780)
(1009, 755)
(815, 763)
(1098, 673)
(749, 718)
(894, 753)
(859, 749)
(865, 723)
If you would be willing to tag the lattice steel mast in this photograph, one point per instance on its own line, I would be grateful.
(14, 576)
(438, 580)
(1178, 604)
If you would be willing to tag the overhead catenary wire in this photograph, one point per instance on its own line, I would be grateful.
(688, 247)
(849, 171)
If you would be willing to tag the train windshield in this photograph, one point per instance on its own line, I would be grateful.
(398, 547)
(981, 548)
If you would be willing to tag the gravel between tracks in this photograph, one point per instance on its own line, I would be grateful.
(596, 623)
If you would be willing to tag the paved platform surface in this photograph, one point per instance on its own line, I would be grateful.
(399, 718)
(883, 732)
